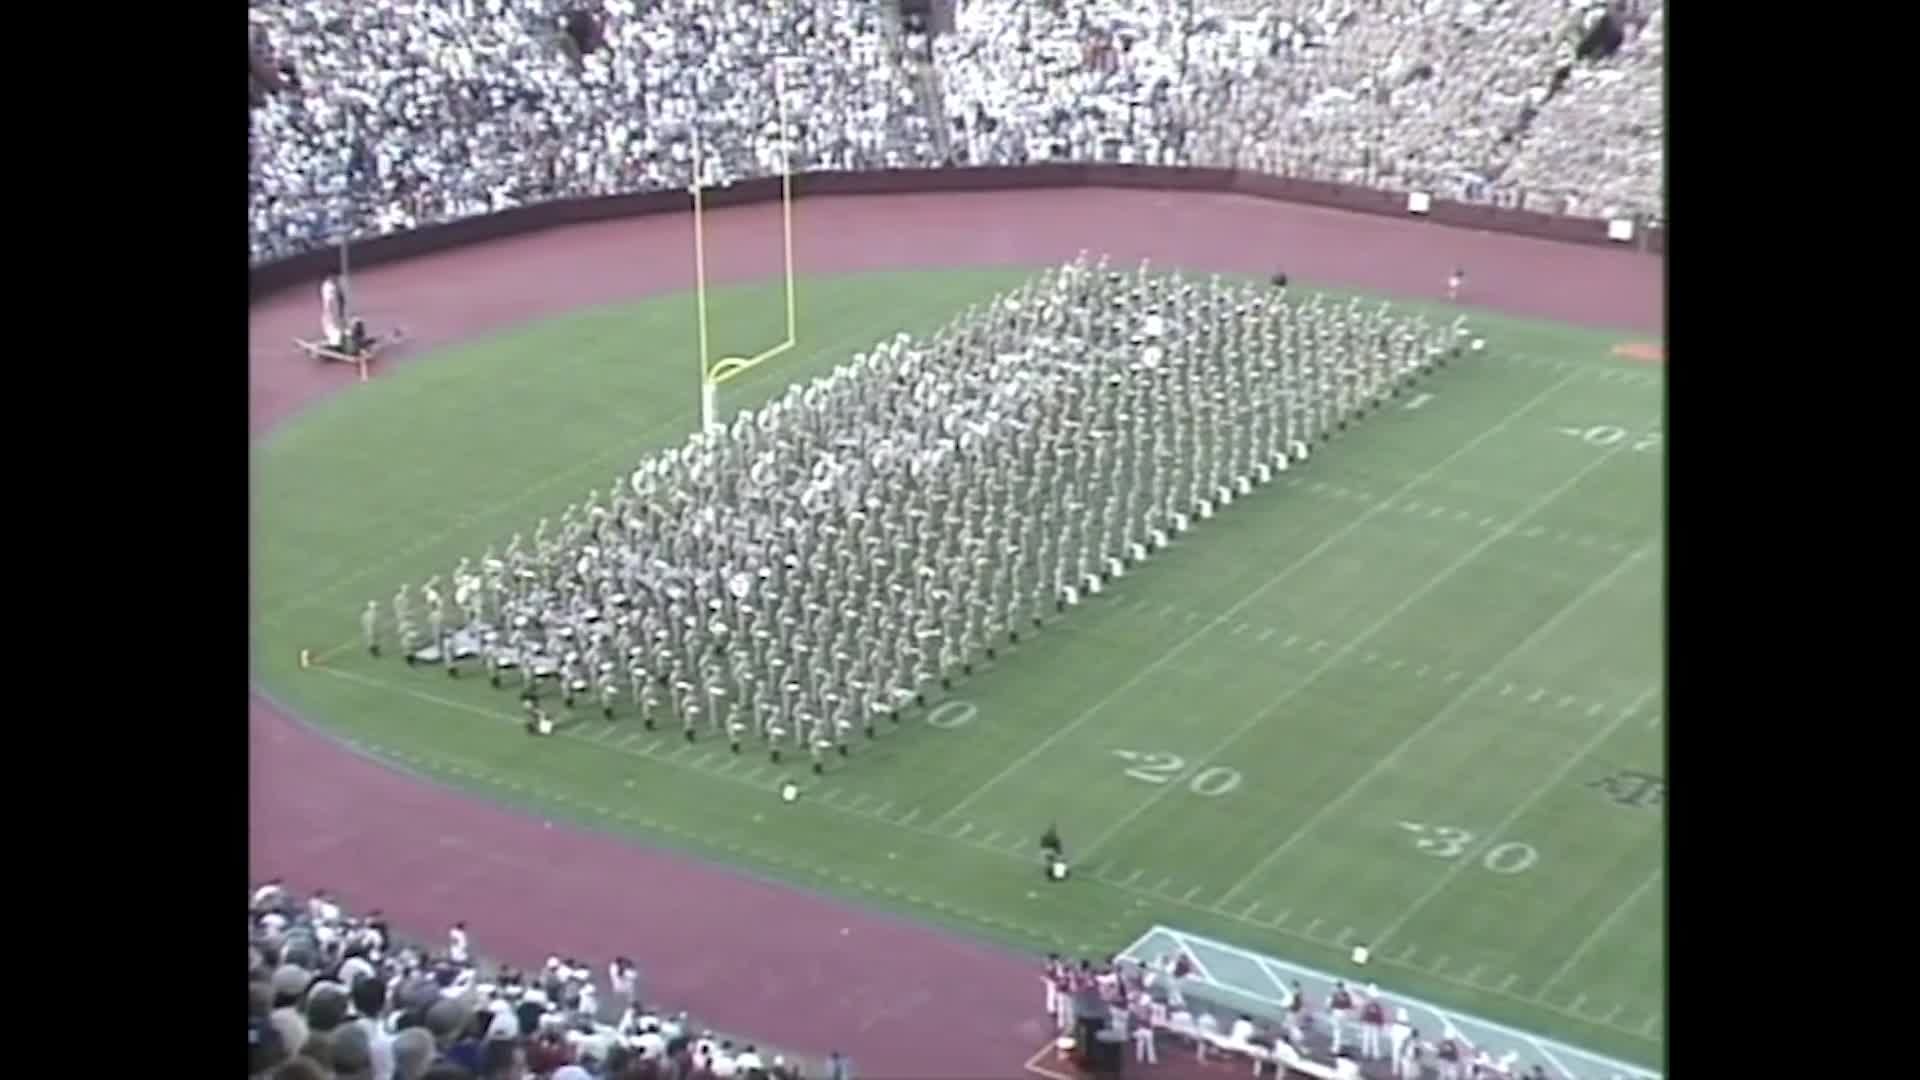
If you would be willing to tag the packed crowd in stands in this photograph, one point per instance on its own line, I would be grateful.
(426, 110)
(332, 996)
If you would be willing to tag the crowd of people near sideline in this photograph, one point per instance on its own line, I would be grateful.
(333, 996)
(1350, 1032)
(380, 115)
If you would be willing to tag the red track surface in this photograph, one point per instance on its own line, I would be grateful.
(904, 1001)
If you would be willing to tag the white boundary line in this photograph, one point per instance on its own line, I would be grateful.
(1599, 932)
(1520, 809)
(1240, 605)
(1480, 547)
(1593, 588)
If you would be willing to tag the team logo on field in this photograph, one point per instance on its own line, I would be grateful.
(1630, 787)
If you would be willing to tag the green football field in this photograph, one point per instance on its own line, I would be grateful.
(1408, 695)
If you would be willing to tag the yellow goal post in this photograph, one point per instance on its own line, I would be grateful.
(714, 372)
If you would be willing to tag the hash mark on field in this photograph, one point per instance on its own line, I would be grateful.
(1507, 689)
(1462, 515)
(679, 751)
(965, 828)
(1317, 646)
(1436, 511)
(1370, 658)
(1241, 628)
(701, 761)
(857, 801)
(1653, 721)
(727, 764)
(754, 773)
(1533, 532)
(1168, 611)
(1422, 673)
(1345, 935)
(1292, 640)
(1489, 522)
(1439, 964)
(830, 796)
(1406, 954)
(1452, 676)
(906, 818)
(1396, 664)
(882, 810)
(1506, 984)
(1190, 894)
(1535, 697)
(1596, 709)
(1133, 877)
(628, 740)
(1565, 700)
(1611, 1013)
(1281, 919)
(1162, 886)
(1251, 908)
(1577, 1002)
(1267, 633)
(1312, 926)
(991, 837)
(1473, 977)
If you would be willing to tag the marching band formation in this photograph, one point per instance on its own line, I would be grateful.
(813, 570)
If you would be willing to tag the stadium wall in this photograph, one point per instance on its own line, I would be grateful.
(310, 266)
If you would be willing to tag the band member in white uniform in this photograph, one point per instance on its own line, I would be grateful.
(333, 313)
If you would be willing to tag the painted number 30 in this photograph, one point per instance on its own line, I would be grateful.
(1447, 842)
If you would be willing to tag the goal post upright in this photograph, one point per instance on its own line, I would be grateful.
(715, 372)
(707, 419)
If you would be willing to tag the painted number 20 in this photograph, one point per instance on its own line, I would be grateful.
(1448, 842)
(1157, 768)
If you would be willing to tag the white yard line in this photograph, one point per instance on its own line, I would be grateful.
(1392, 757)
(1340, 654)
(495, 509)
(1494, 834)
(1240, 605)
(1599, 932)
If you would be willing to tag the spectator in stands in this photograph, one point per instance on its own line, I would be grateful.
(413, 1052)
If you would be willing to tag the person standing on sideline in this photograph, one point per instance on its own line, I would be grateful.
(370, 628)
(838, 1067)
(333, 312)
(1373, 1023)
(1454, 281)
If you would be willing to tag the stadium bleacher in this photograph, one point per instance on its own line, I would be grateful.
(332, 994)
(373, 117)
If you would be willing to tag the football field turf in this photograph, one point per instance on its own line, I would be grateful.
(1407, 695)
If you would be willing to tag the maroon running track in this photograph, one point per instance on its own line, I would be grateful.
(902, 1000)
